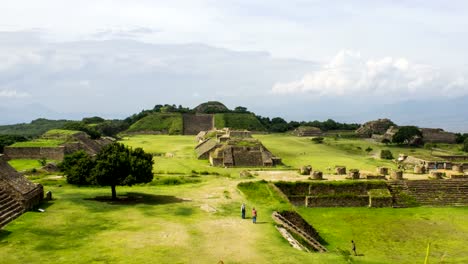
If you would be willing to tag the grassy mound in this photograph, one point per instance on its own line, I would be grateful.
(52, 138)
(59, 133)
(170, 123)
(238, 121)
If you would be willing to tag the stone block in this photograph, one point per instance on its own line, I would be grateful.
(354, 174)
(305, 170)
(340, 170)
(396, 175)
(436, 175)
(317, 175)
(419, 169)
(457, 168)
(382, 170)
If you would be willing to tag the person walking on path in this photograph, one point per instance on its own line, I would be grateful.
(354, 247)
(243, 210)
(254, 215)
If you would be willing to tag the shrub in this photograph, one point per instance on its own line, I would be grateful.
(386, 154)
(368, 150)
(317, 140)
(465, 145)
(42, 161)
(77, 167)
(405, 134)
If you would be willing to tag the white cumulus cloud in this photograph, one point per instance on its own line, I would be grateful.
(350, 74)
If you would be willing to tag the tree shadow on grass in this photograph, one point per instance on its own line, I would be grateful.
(138, 198)
(4, 234)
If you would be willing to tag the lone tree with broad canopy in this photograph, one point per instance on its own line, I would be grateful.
(405, 134)
(117, 164)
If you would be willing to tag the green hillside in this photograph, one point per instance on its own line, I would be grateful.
(170, 123)
(238, 121)
(34, 129)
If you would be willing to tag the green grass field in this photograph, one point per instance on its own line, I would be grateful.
(40, 142)
(172, 123)
(185, 218)
(27, 164)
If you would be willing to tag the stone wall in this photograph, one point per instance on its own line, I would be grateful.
(245, 157)
(437, 135)
(331, 194)
(374, 127)
(194, 123)
(452, 192)
(55, 153)
(337, 201)
(83, 142)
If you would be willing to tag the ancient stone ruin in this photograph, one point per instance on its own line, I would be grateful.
(337, 194)
(75, 142)
(429, 135)
(447, 192)
(292, 222)
(230, 148)
(437, 135)
(194, 123)
(374, 127)
(307, 131)
(17, 194)
(379, 193)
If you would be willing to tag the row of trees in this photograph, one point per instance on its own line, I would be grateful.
(115, 165)
(278, 124)
(6, 140)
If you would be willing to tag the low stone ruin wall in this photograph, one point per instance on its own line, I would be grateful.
(334, 194)
(55, 153)
(337, 201)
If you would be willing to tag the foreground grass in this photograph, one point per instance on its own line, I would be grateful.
(180, 218)
(388, 235)
(169, 224)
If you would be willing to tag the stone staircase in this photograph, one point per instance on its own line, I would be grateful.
(9, 208)
(453, 192)
(194, 123)
(291, 227)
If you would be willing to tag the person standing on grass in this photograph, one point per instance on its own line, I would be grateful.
(254, 215)
(354, 247)
(243, 210)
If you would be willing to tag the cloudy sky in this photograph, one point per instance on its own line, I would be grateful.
(347, 60)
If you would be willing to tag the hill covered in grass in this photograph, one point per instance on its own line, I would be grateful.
(239, 121)
(34, 129)
(170, 123)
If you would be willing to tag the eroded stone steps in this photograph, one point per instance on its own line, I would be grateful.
(431, 192)
(9, 208)
(292, 227)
